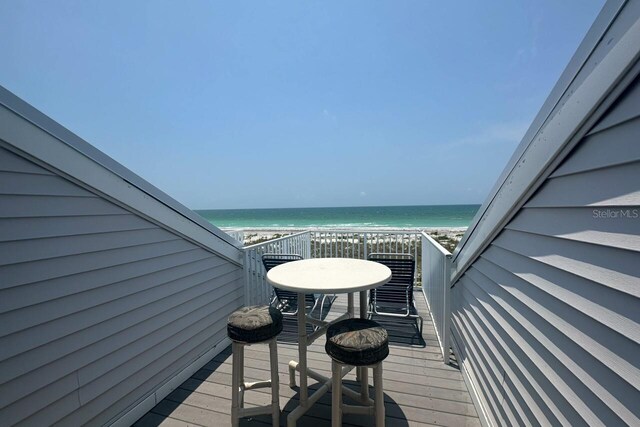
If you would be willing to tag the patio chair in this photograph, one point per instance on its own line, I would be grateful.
(395, 298)
(287, 301)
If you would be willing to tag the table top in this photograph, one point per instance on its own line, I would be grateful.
(328, 275)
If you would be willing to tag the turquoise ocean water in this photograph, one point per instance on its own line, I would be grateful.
(355, 217)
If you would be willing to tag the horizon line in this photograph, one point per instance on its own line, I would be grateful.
(340, 207)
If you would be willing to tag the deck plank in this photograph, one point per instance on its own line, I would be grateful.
(420, 390)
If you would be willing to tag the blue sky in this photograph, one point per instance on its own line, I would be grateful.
(296, 103)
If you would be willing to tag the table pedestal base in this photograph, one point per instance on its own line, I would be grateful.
(304, 340)
(294, 415)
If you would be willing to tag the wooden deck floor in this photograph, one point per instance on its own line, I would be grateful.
(419, 388)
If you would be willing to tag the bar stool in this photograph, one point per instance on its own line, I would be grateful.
(246, 326)
(361, 343)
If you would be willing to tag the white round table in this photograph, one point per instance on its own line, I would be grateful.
(328, 275)
(325, 276)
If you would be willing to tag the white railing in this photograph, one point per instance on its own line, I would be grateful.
(436, 268)
(359, 244)
(433, 264)
(338, 243)
(236, 234)
(257, 291)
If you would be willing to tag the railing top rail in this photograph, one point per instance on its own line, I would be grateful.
(269, 242)
(365, 230)
(437, 245)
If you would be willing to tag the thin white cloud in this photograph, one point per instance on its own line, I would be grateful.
(526, 54)
(329, 115)
(498, 133)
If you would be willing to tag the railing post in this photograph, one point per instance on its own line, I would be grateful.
(364, 240)
(423, 261)
(247, 278)
(446, 304)
(307, 253)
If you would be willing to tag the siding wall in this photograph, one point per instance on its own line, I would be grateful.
(547, 319)
(98, 306)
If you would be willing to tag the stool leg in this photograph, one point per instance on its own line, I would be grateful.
(241, 376)
(379, 395)
(235, 383)
(336, 394)
(275, 385)
(364, 384)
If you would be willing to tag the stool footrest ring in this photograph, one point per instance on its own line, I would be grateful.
(257, 384)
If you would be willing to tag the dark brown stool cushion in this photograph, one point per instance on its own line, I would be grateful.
(254, 324)
(357, 342)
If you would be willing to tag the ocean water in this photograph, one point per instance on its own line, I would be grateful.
(399, 217)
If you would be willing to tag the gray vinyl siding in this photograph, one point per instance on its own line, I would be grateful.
(98, 306)
(547, 319)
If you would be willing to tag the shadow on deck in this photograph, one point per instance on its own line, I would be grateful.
(419, 388)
